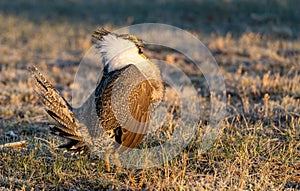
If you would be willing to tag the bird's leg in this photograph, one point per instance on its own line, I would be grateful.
(117, 161)
(106, 159)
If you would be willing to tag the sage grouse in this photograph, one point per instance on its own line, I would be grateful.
(121, 104)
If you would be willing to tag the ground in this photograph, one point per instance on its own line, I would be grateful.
(256, 45)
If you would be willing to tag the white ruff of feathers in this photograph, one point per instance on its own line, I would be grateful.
(118, 53)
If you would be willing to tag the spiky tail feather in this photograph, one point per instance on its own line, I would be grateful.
(99, 33)
(60, 110)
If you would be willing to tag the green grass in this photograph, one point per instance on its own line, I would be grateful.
(257, 48)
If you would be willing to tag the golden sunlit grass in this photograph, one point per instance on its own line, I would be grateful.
(258, 149)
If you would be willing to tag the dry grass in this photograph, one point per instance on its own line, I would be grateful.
(259, 147)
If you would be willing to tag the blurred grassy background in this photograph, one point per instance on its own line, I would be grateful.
(220, 16)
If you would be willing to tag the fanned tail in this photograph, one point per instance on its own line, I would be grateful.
(60, 110)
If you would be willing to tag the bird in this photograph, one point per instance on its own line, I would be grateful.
(116, 115)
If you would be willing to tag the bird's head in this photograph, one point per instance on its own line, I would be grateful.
(118, 51)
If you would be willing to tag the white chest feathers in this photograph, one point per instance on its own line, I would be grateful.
(118, 53)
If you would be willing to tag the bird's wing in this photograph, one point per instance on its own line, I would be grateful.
(59, 109)
(139, 107)
(123, 107)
